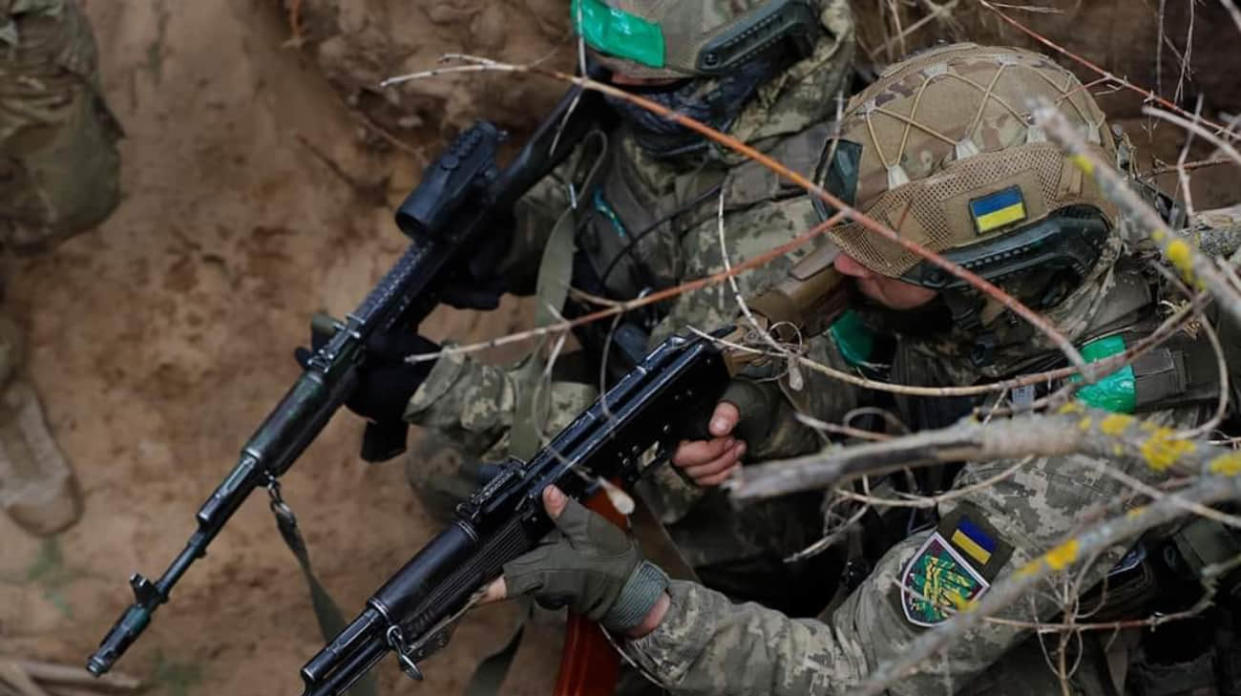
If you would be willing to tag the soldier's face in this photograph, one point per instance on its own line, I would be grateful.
(889, 292)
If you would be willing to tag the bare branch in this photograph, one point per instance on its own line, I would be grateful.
(1095, 540)
(1075, 429)
(1030, 316)
(1148, 94)
(1198, 270)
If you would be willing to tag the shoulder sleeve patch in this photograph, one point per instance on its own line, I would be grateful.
(971, 535)
(937, 583)
(953, 568)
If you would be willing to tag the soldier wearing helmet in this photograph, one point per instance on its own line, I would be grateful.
(943, 150)
(634, 210)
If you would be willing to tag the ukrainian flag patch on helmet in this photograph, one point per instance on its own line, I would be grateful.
(998, 209)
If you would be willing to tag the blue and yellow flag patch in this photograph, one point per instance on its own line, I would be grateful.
(971, 539)
(953, 569)
(998, 209)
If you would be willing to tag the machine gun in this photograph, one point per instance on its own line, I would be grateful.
(413, 612)
(463, 197)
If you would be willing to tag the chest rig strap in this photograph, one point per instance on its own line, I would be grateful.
(552, 289)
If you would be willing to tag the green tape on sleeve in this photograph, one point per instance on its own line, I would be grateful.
(1116, 392)
(854, 341)
(619, 33)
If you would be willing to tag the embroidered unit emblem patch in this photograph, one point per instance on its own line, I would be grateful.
(938, 582)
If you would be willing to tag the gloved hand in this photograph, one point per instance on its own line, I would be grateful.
(473, 282)
(746, 408)
(385, 384)
(591, 566)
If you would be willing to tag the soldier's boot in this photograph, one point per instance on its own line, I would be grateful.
(37, 486)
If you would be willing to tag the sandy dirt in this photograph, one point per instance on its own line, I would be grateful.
(160, 340)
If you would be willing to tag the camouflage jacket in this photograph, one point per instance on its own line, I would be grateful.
(58, 154)
(707, 644)
(475, 403)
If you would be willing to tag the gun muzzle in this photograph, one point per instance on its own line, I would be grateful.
(124, 631)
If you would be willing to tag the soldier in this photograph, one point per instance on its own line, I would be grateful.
(943, 150)
(58, 176)
(634, 210)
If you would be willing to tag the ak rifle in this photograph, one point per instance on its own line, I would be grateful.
(462, 199)
(413, 613)
(634, 426)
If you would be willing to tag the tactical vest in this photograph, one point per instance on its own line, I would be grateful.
(1181, 372)
(637, 212)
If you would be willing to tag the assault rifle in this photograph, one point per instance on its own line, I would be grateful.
(413, 612)
(462, 199)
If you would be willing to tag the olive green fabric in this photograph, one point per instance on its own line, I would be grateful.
(59, 167)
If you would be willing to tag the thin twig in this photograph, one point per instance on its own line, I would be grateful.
(1075, 429)
(1148, 94)
(1085, 545)
(1188, 166)
(976, 281)
(1198, 270)
(1232, 10)
(1191, 125)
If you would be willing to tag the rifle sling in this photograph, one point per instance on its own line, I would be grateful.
(489, 674)
(327, 612)
(551, 290)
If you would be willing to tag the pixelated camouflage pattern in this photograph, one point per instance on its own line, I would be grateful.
(58, 160)
(643, 190)
(474, 403)
(708, 645)
(1217, 232)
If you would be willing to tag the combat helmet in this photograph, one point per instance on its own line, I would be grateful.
(680, 39)
(942, 149)
(708, 56)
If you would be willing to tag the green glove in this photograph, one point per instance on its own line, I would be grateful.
(591, 566)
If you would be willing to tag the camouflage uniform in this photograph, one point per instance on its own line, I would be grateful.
(789, 118)
(58, 158)
(59, 175)
(708, 645)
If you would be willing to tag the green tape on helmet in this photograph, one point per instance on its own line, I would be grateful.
(619, 33)
(1116, 392)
